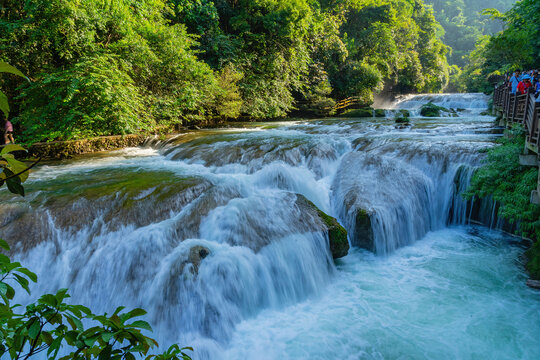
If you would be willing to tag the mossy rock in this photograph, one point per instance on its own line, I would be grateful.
(67, 149)
(339, 245)
(405, 113)
(402, 120)
(337, 235)
(364, 234)
(358, 113)
(533, 263)
(380, 113)
(432, 110)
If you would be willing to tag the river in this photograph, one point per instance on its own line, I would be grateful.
(128, 227)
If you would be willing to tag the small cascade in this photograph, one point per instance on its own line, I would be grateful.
(468, 104)
(475, 211)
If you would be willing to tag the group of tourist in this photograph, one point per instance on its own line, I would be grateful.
(519, 83)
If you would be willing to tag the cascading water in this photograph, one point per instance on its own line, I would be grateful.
(205, 231)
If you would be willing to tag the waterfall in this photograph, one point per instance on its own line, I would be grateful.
(204, 230)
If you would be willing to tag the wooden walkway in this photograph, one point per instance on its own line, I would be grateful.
(522, 109)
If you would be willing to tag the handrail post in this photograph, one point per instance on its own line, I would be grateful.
(526, 108)
(508, 101)
(514, 108)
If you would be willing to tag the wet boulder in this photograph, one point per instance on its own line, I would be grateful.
(402, 120)
(362, 230)
(196, 256)
(358, 113)
(405, 113)
(337, 235)
(432, 110)
(380, 113)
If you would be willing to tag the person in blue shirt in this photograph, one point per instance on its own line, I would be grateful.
(514, 81)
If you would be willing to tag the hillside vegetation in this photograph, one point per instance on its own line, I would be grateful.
(102, 67)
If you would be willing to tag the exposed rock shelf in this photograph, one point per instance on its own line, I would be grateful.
(57, 150)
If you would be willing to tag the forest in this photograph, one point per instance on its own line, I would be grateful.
(101, 67)
(517, 47)
(464, 23)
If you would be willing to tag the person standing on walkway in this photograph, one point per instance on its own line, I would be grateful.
(524, 84)
(514, 81)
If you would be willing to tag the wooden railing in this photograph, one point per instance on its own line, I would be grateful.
(345, 103)
(520, 109)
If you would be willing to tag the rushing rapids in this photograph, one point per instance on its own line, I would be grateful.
(206, 232)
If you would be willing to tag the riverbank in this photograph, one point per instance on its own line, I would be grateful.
(66, 149)
(58, 150)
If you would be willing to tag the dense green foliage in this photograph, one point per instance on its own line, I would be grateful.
(394, 40)
(4, 102)
(517, 47)
(101, 67)
(464, 24)
(510, 184)
(12, 172)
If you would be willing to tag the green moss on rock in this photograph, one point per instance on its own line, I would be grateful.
(402, 120)
(380, 113)
(432, 110)
(405, 113)
(57, 150)
(337, 235)
(339, 245)
(364, 234)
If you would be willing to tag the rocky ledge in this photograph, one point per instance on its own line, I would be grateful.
(57, 150)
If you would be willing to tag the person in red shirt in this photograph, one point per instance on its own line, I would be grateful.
(524, 84)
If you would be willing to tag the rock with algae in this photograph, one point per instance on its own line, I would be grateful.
(432, 110)
(337, 235)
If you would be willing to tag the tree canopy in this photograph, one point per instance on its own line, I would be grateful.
(464, 23)
(517, 47)
(101, 67)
